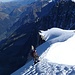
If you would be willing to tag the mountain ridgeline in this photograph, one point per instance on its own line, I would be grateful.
(11, 12)
(15, 49)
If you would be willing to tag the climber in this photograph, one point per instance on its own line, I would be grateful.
(34, 55)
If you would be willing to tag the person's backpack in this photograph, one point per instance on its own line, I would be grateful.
(33, 53)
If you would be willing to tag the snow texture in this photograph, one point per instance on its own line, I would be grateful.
(47, 68)
(73, 0)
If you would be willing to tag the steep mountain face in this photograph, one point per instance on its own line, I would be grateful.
(9, 6)
(61, 15)
(25, 10)
(6, 19)
(16, 48)
(21, 12)
(27, 14)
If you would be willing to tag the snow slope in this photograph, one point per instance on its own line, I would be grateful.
(73, 0)
(43, 47)
(62, 51)
(56, 55)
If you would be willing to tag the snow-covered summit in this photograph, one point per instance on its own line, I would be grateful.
(56, 58)
(56, 35)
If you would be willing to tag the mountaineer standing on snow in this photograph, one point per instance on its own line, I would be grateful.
(34, 55)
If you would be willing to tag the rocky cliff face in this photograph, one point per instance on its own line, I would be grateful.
(61, 15)
(12, 15)
(6, 19)
(26, 14)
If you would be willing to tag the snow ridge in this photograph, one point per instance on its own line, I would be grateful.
(56, 34)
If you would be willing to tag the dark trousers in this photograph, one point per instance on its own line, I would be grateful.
(36, 59)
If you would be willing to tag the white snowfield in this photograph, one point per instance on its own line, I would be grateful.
(62, 53)
(56, 54)
(73, 0)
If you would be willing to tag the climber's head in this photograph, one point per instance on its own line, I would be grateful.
(32, 48)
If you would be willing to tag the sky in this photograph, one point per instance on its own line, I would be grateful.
(5, 0)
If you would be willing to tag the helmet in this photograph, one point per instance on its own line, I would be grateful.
(32, 47)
